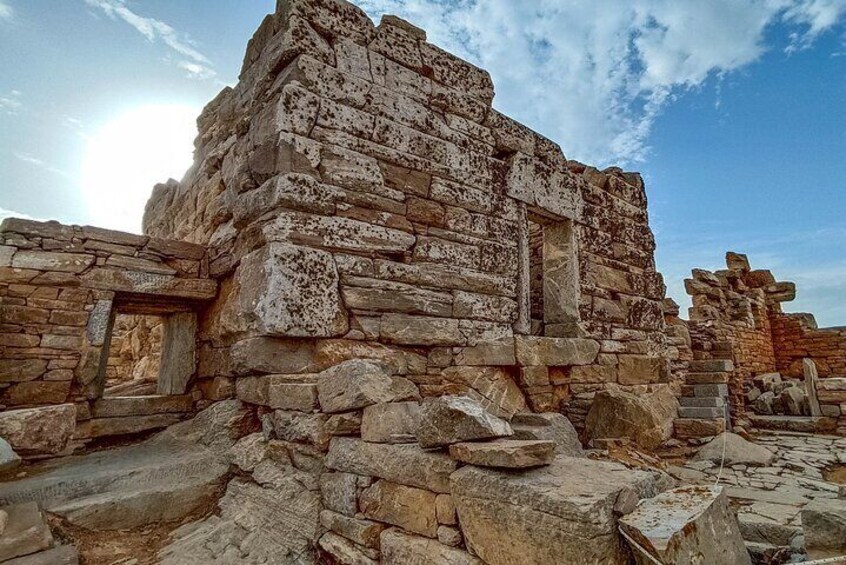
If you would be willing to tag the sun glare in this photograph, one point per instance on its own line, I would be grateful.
(129, 155)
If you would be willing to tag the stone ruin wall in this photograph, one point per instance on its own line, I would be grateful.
(737, 315)
(60, 290)
(362, 199)
(134, 355)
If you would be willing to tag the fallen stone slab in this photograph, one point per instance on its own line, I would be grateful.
(61, 555)
(737, 451)
(177, 472)
(26, 531)
(824, 522)
(38, 431)
(686, 525)
(559, 513)
(509, 454)
(548, 426)
(452, 419)
(399, 548)
(357, 383)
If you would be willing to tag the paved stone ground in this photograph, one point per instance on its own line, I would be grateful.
(769, 500)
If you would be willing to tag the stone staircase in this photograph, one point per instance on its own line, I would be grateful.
(704, 405)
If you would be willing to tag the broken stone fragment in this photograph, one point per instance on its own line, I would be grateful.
(687, 525)
(508, 454)
(647, 419)
(26, 531)
(8, 458)
(44, 430)
(548, 426)
(736, 450)
(399, 547)
(558, 513)
(824, 522)
(452, 419)
(357, 383)
(345, 551)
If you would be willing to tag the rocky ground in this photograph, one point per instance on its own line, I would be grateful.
(772, 493)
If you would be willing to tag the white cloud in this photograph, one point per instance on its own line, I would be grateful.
(11, 103)
(153, 30)
(30, 159)
(4, 213)
(594, 75)
(6, 11)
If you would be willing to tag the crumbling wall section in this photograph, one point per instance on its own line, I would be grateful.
(797, 337)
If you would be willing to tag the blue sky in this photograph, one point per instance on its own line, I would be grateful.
(734, 110)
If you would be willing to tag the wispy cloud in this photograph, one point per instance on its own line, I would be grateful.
(4, 213)
(40, 163)
(193, 61)
(595, 76)
(6, 11)
(11, 103)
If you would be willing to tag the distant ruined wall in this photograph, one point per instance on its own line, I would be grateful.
(135, 352)
(797, 337)
(362, 199)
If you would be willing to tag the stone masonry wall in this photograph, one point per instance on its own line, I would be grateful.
(60, 289)
(362, 199)
(730, 319)
(797, 337)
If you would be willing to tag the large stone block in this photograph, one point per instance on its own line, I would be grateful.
(824, 522)
(44, 430)
(284, 392)
(452, 419)
(405, 464)
(495, 387)
(555, 351)
(357, 383)
(399, 548)
(647, 419)
(410, 508)
(26, 531)
(687, 525)
(561, 513)
(286, 290)
(420, 330)
(396, 422)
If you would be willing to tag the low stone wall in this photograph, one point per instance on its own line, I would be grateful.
(60, 289)
(797, 337)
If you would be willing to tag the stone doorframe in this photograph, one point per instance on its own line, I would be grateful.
(560, 278)
(178, 363)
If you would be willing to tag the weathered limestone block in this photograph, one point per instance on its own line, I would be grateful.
(45, 430)
(552, 190)
(419, 330)
(405, 464)
(484, 307)
(495, 387)
(560, 513)
(301, 428)
(287, 290)
(555, 351)
(824, 522)
(809, 371)
(396, 422)
(548, 426)
(687, 525)
(336, 232)
(339, 491)
(362, 532)
(272, 355)
(249, 451)
(292, 190)
(52, 261)
(639, 369)
(179, 356)
(399, 548)
(26, 531)
(647, 419)
(509, 454)
(410, 508)
(452, 419)
(357, 383)
(499, 352)
(284, 392)
(345, 551)
(104, 278)
(736, 450)
(383, 296)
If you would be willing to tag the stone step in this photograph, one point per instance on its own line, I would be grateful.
(705, 401)
(26, 531)
(691, 428)
(805, 424)
(706, 378)
(711, 366)
(117, 406)
(701, 412)
(705, 391)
